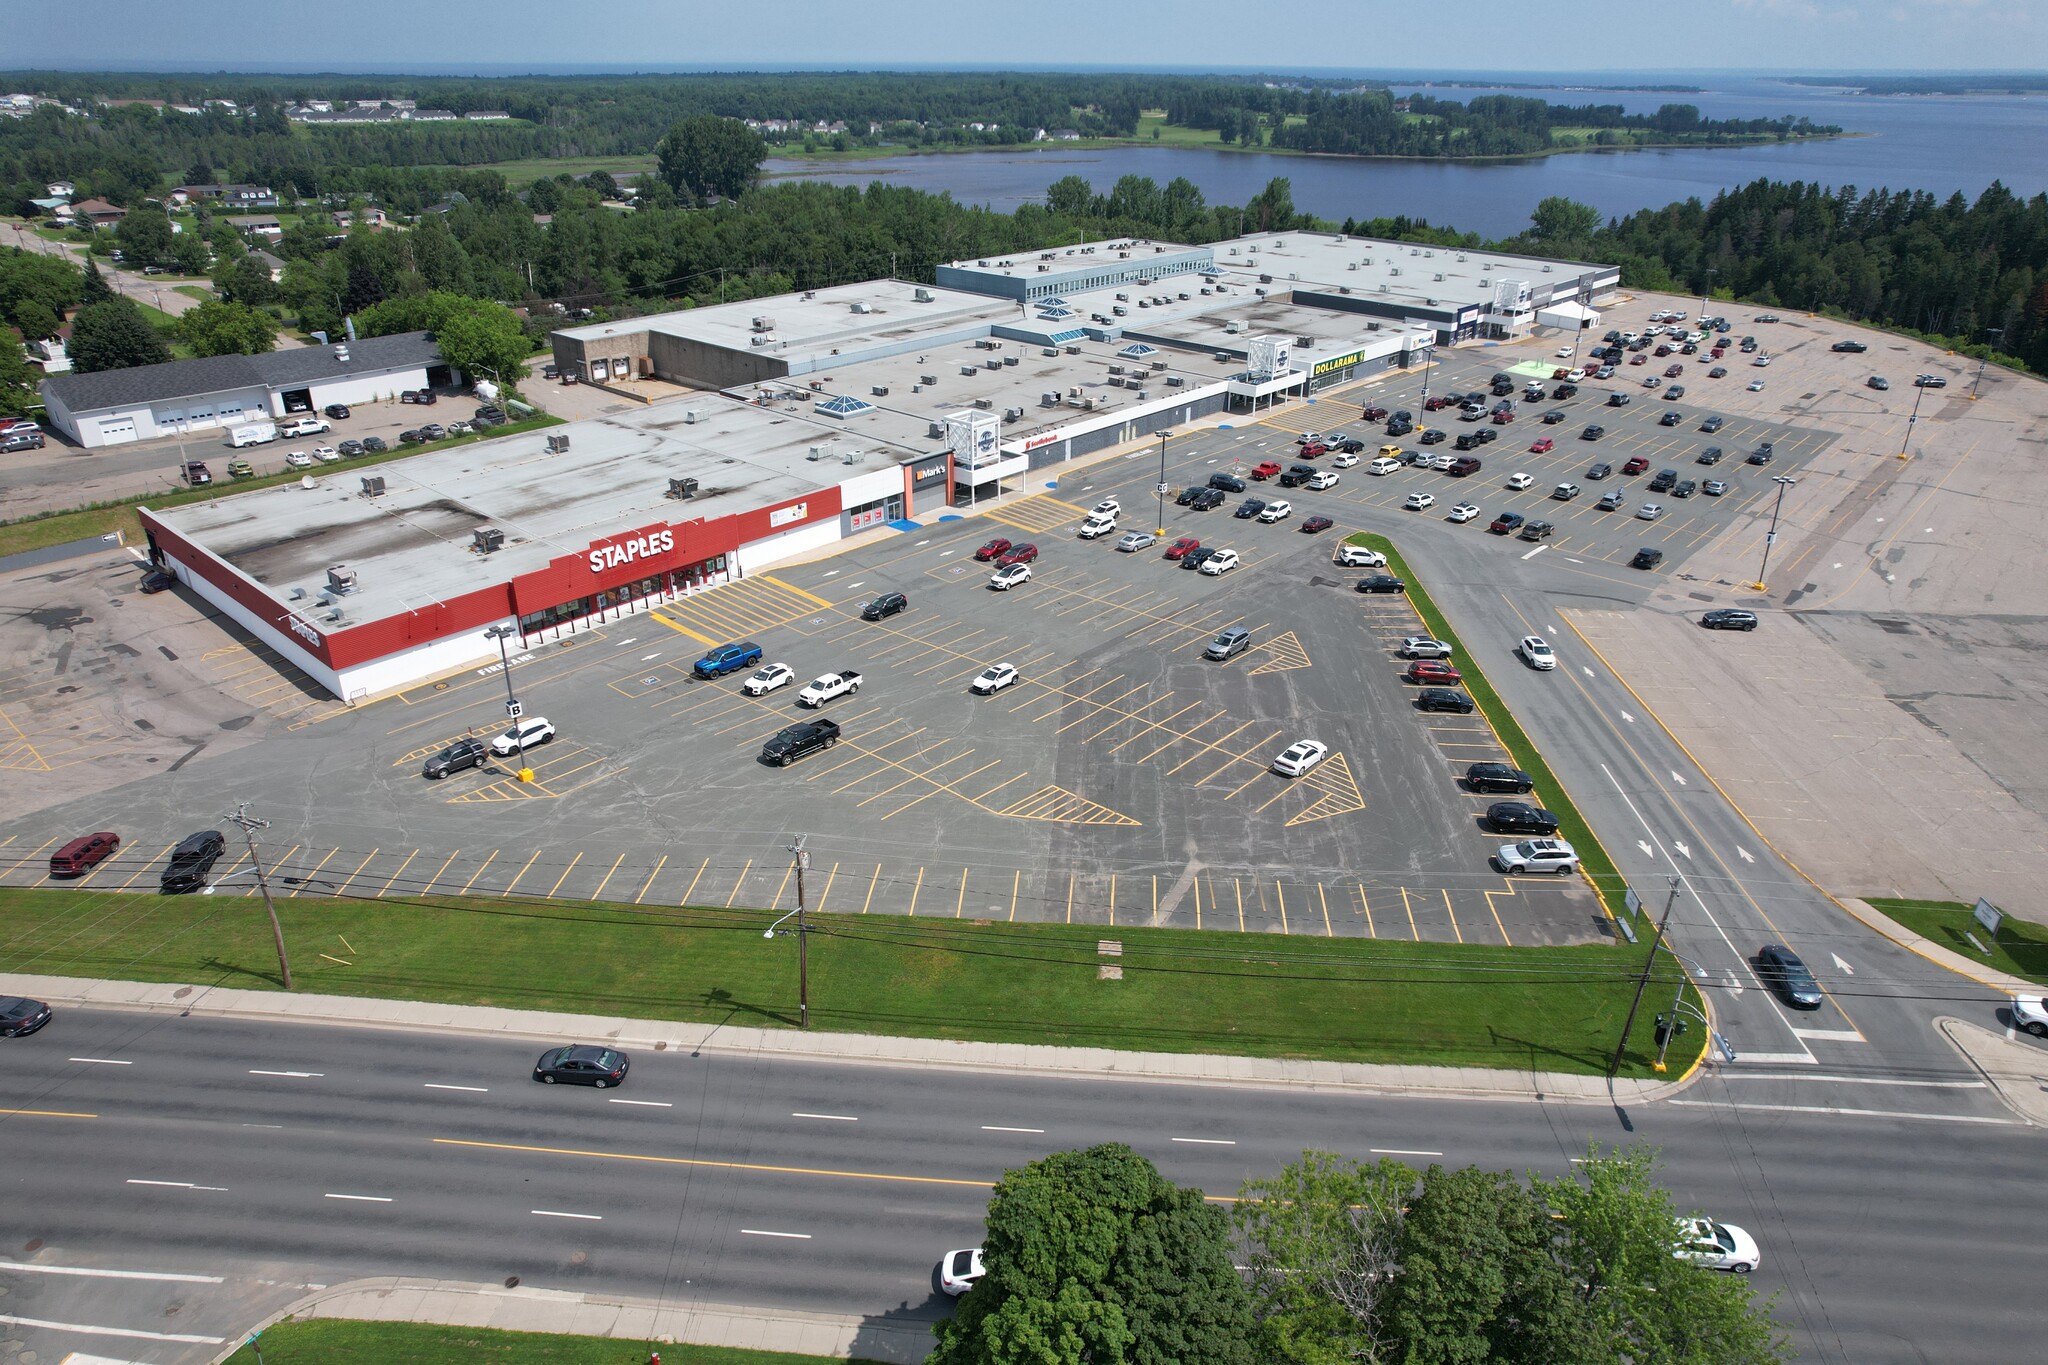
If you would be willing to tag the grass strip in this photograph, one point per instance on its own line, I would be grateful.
(2019, 948)
(333, 1341)
(1182, 990)
(118, 514)
(1571, 826)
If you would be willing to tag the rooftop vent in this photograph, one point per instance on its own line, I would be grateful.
(485, 539)
(298, 594)
(373, 485)
(341, 354)
(921, 295)
(860, 306)
(763, 323)
(341, 578)
(693, 415)
(682, 488)
(557, 444)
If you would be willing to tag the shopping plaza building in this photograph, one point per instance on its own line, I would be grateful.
(758, 432)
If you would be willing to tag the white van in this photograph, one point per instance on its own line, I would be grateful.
(254, 434)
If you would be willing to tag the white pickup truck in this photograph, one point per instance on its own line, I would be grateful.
(823, 689)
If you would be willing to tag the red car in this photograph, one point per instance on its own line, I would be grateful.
(1180, 547)
(1313, 449)
(1564, 372)
(994, 549)
(1016, 554)
(1636, 464)
(1311, 525)
(1373, 412)
(1540, 445)
(1501, 417)
(1266, 470)
(1674, 371)
(1432, 672)
(1639, 359)
(83, 854)
(1436, 404)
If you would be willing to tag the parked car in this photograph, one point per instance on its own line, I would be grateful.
(1647, 558)
(1507, 523)
(338, 411)
(1600, 470)
(190, 861)
(1498, 777)
(993, 679)
(1788, 976)
(991, 550)
(156, 580)
(960, 1270)
(1264, 470)
(1849, 347)
(1133, 541)
(1382, 583)
(351, 448)
(463, 753)
(1315, 524)
(1443, 699)
(1249, 508)
(1321, 480)
(601, 1067)
(1612, 499)
(374, 444)
(1219, 562)
(725, 659)
(1359, 557)
(1537, 530)
(1226, 483)
(84, 853)
(1277, 510)
(1518, 817)
(884, 606)
(1537, 855)
(1299, 757)
(1729, 618)
(1009, 576)
(788, 745)
(1714, 488)
(1180, 547)
(1463, 512)
(1432, 673)
(1228, 643)
(1423, 647)
(1197, 557)
(1930, 381)
(1593, 432)
(529, 732)
(1419, 502)
(1663, 481)
(1565, 492)
(1023, 553)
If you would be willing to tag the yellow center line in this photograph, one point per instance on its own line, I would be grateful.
(738, 884)
(701, 1162)
(47, 1114)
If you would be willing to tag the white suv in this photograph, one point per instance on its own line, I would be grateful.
(1358, 557)
(1098, 524)
(528, 733)
(1537, 855)
(1423, 647)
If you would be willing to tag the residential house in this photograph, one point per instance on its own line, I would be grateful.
(184, 108)
(432, 115)
(274, 263)
(60, 189)
(481, 114)
(55, 207)
(51, 355)
(371, 218)
(255, 225)
(1066, 135)
(98, 212)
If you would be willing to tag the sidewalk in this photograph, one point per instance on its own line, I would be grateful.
(665, 1322)
(1175, 1068)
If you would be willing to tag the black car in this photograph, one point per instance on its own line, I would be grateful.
(411, 437)
(1711, 455)
(1297, 475)
(20, 1017)
(1553, 417)
(463, 753)
(374, 443)
(1249, 508)
(191, 860)
(1516, 817)
(1781, 970)
(1711, 425)
(1397, 427)
(1763, 455)
(338, 411)
(1671, 419)
(1207, 499)
(1718, 372)
(1382, 582)
(1432, 436)
(1646, 558)
(1684, 488)
(1563, 391)
(1498, 777)
(581, 1065)
(1226, 483)
(490, 412)
(1593, 433)
(1443, 699)
(1849, 347)
(351, 447)
(156, 580)
(1350, 445)
(888, 604)
(1664, 480)
(1187, 495)
(786, 746)
(1468, 441)
(1729, 618)
(1600, 471)
(1195, 558)
(1487, 435)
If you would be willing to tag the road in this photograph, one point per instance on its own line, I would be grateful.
(149, 289)
(263, 1152)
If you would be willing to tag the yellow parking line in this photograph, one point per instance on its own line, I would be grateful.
(599, 893)
(871, 889)
(1239, 888)
(827, 892)
(650, 880)
(342, 890)
(1280, 895)
(1453, 914)
(393, 880)
(1497, 920)
(1198, 902)
(693, 882)
(565, 873)
(738, 884)
(782, 885)
(704, 640)
(1365, 907)
(791, 587)
(1328, 931)
(1016, 885)
(472, 876)
(961, 904)
(1413, 932)
(522, 872)
(435, 880)
(914, 890)
(1112, 898)
(1070, 898)
(146, 866)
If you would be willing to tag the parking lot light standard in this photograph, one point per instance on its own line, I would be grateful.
(1161, 487)
(1995, 333)
(1771, 537)
(513, 710)
(1919, 392)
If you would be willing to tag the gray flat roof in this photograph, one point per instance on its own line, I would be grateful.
(411, 546)
(1321, 260)
(299, 365)
(1122, 253)
(1326, 331)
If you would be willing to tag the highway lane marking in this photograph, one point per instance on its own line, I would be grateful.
(557, 1213)
(1853, 1080)
(645, 1104)
(46, 1114)
(835, 1118)
(99, 1061)
(710, 1164)
(299, 1075)
(1399, 1151)
(1208, 1142)
(759, 1232)
(136, 1334)
(474, 1089)
(996, 1128)
(361, 1198)
(182, 1185)
(1837, 1111)
(90, 1272)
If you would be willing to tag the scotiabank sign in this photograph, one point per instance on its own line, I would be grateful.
(652, 543)
(1045, 438)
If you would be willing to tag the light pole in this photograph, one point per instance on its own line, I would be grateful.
(1670, 1031)
(1706, 289)
(1771, 537)
(1919, 392)
(513, 710)
(1642, 983)
(803, 941)
(1983, 360)
(1428, 364)
(1161, 486)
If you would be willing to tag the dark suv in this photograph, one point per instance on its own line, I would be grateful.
(463, 753)
(1729, 618)
(1516, 817)
(888, 604)
(1663, 481)
(1227, 483)
(1498, 777)
(190, 861)
(1443, 699)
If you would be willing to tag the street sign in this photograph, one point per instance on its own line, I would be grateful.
(1161, 488)
(1771, 538)
(1633, 902)
(515, 709)
(1988, 915)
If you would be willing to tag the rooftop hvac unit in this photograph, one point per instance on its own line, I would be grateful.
(849, 457)
(970, 370)
(880, 390)
(921, 295)
(927, 379)
(1143, 394)
(917, 388)
(1050, 351)
(761, 339)
(1461, 258)
(327, 597)
(1073, 350)
(982, 264)
(1546, 270)
(1009, 360)
(1116, 381)
(693, 415)
(682, 488)
(1352, 266)
(1049, 399)
(341, 578)
(818, 452)
(817, 386)
(935, 430)
(1265, 279)
(810, 294)
(1343, 288)
(1233, 327)
(1222, 357)
(1439, 279)
(763, 323)
(985, 404)
(860, 306)
(373, 485)
(1013, 414)
(1430, 303)
(1042, 269)
(992, 363)
(983, 344)
(1394, 270)
(1174, 381)
(1116, 369)
(557, 444)
(488, 538)
(1158, 365)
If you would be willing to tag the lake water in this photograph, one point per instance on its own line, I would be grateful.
(1941, 144)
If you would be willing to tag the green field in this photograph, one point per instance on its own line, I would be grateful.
(323, 1341)
(520, 174)
(1262, 995)
(2021, 947)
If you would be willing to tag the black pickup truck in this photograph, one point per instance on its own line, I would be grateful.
(798, 741)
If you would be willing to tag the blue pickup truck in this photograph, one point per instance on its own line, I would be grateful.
(728, 659)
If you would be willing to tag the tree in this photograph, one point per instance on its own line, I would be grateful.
(602, 182)
(708, 156)
(1322, 1241)
(113, 335)
(364, 290)
(18, 396)
(190, 253)
(35, 321)
(1272, 209)
(247, 280)
(144, 235)
(214, 328)
(93, 288)
(1094, 1257)
(1558, 219)
(476, 336)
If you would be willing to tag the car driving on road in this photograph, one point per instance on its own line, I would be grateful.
(581, 1064)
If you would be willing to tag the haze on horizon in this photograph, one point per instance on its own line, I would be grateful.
(1499, 37)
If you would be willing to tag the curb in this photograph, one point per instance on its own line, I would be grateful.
(2009, 1067)
(1920, 946)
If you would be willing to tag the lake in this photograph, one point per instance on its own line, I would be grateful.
(1937, 143)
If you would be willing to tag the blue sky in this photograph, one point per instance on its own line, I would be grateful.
(1481, 35)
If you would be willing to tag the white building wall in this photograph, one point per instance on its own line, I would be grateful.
(284, 642)
(429, 660)
(869, 487)
(788, 544)
(368, 388)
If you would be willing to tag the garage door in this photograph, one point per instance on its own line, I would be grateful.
(116, 430)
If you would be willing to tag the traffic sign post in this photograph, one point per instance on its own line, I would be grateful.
(514, 710)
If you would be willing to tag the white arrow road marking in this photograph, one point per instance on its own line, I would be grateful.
(1681, 849)
(655, 655)
(1585, 670)
(630, 639)
(1744, 854)
(1537, 551)
(1629, 718)
(1735, 985)
(1644, 845)
(1676, 778)
(1844, 968)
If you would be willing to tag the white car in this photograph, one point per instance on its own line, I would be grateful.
(2030, 1012)
(528, 733)
(1517, 482)
(1535, 651)
(1278, 510)
(326, 454)
(959, 1271)
(1756, 386)
(1108, 507)
(767, 678)
(1650, 511)
(1322, 479)
(1133, 541)
(1098, 524)
(1358, 557)
(1383, 465)
(1716, 1246)
(1442, 463)
(1761, 362)
(1564, 353)
(1464, 512)
(1298, 757)
(1009, 576)
(1345, 459)
(1420, 502)
(299, 459)
(993, 679)
(1537, 855)
(1423, 647)
(1222, 562)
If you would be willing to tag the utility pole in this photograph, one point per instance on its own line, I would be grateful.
(1672, 1025)
(803, 938)
(1643, 982)
(249, 825)
(1996, 334)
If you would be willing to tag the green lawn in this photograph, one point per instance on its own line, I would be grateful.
(1183, 990)
(1172, 135)
(519, 174)
(2021, 947)
(195, 291)
(59, 528)
(1571, 826)
(324, 1341)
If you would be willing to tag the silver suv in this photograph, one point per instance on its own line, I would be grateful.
(1233, 641)
(1537, 855)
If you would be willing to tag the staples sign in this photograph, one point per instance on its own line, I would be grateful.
(783, 516)
(643, 545)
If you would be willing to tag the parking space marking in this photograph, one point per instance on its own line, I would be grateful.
(1037, 514)
(479, 871)
(1365, 910)
(392, 880)
(919, 886)
(872, 884)
(1495, 910)
(1459, 933)
(522, 872)
(565, 872)
(736, 885)
(826, 894)
(312, 876)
